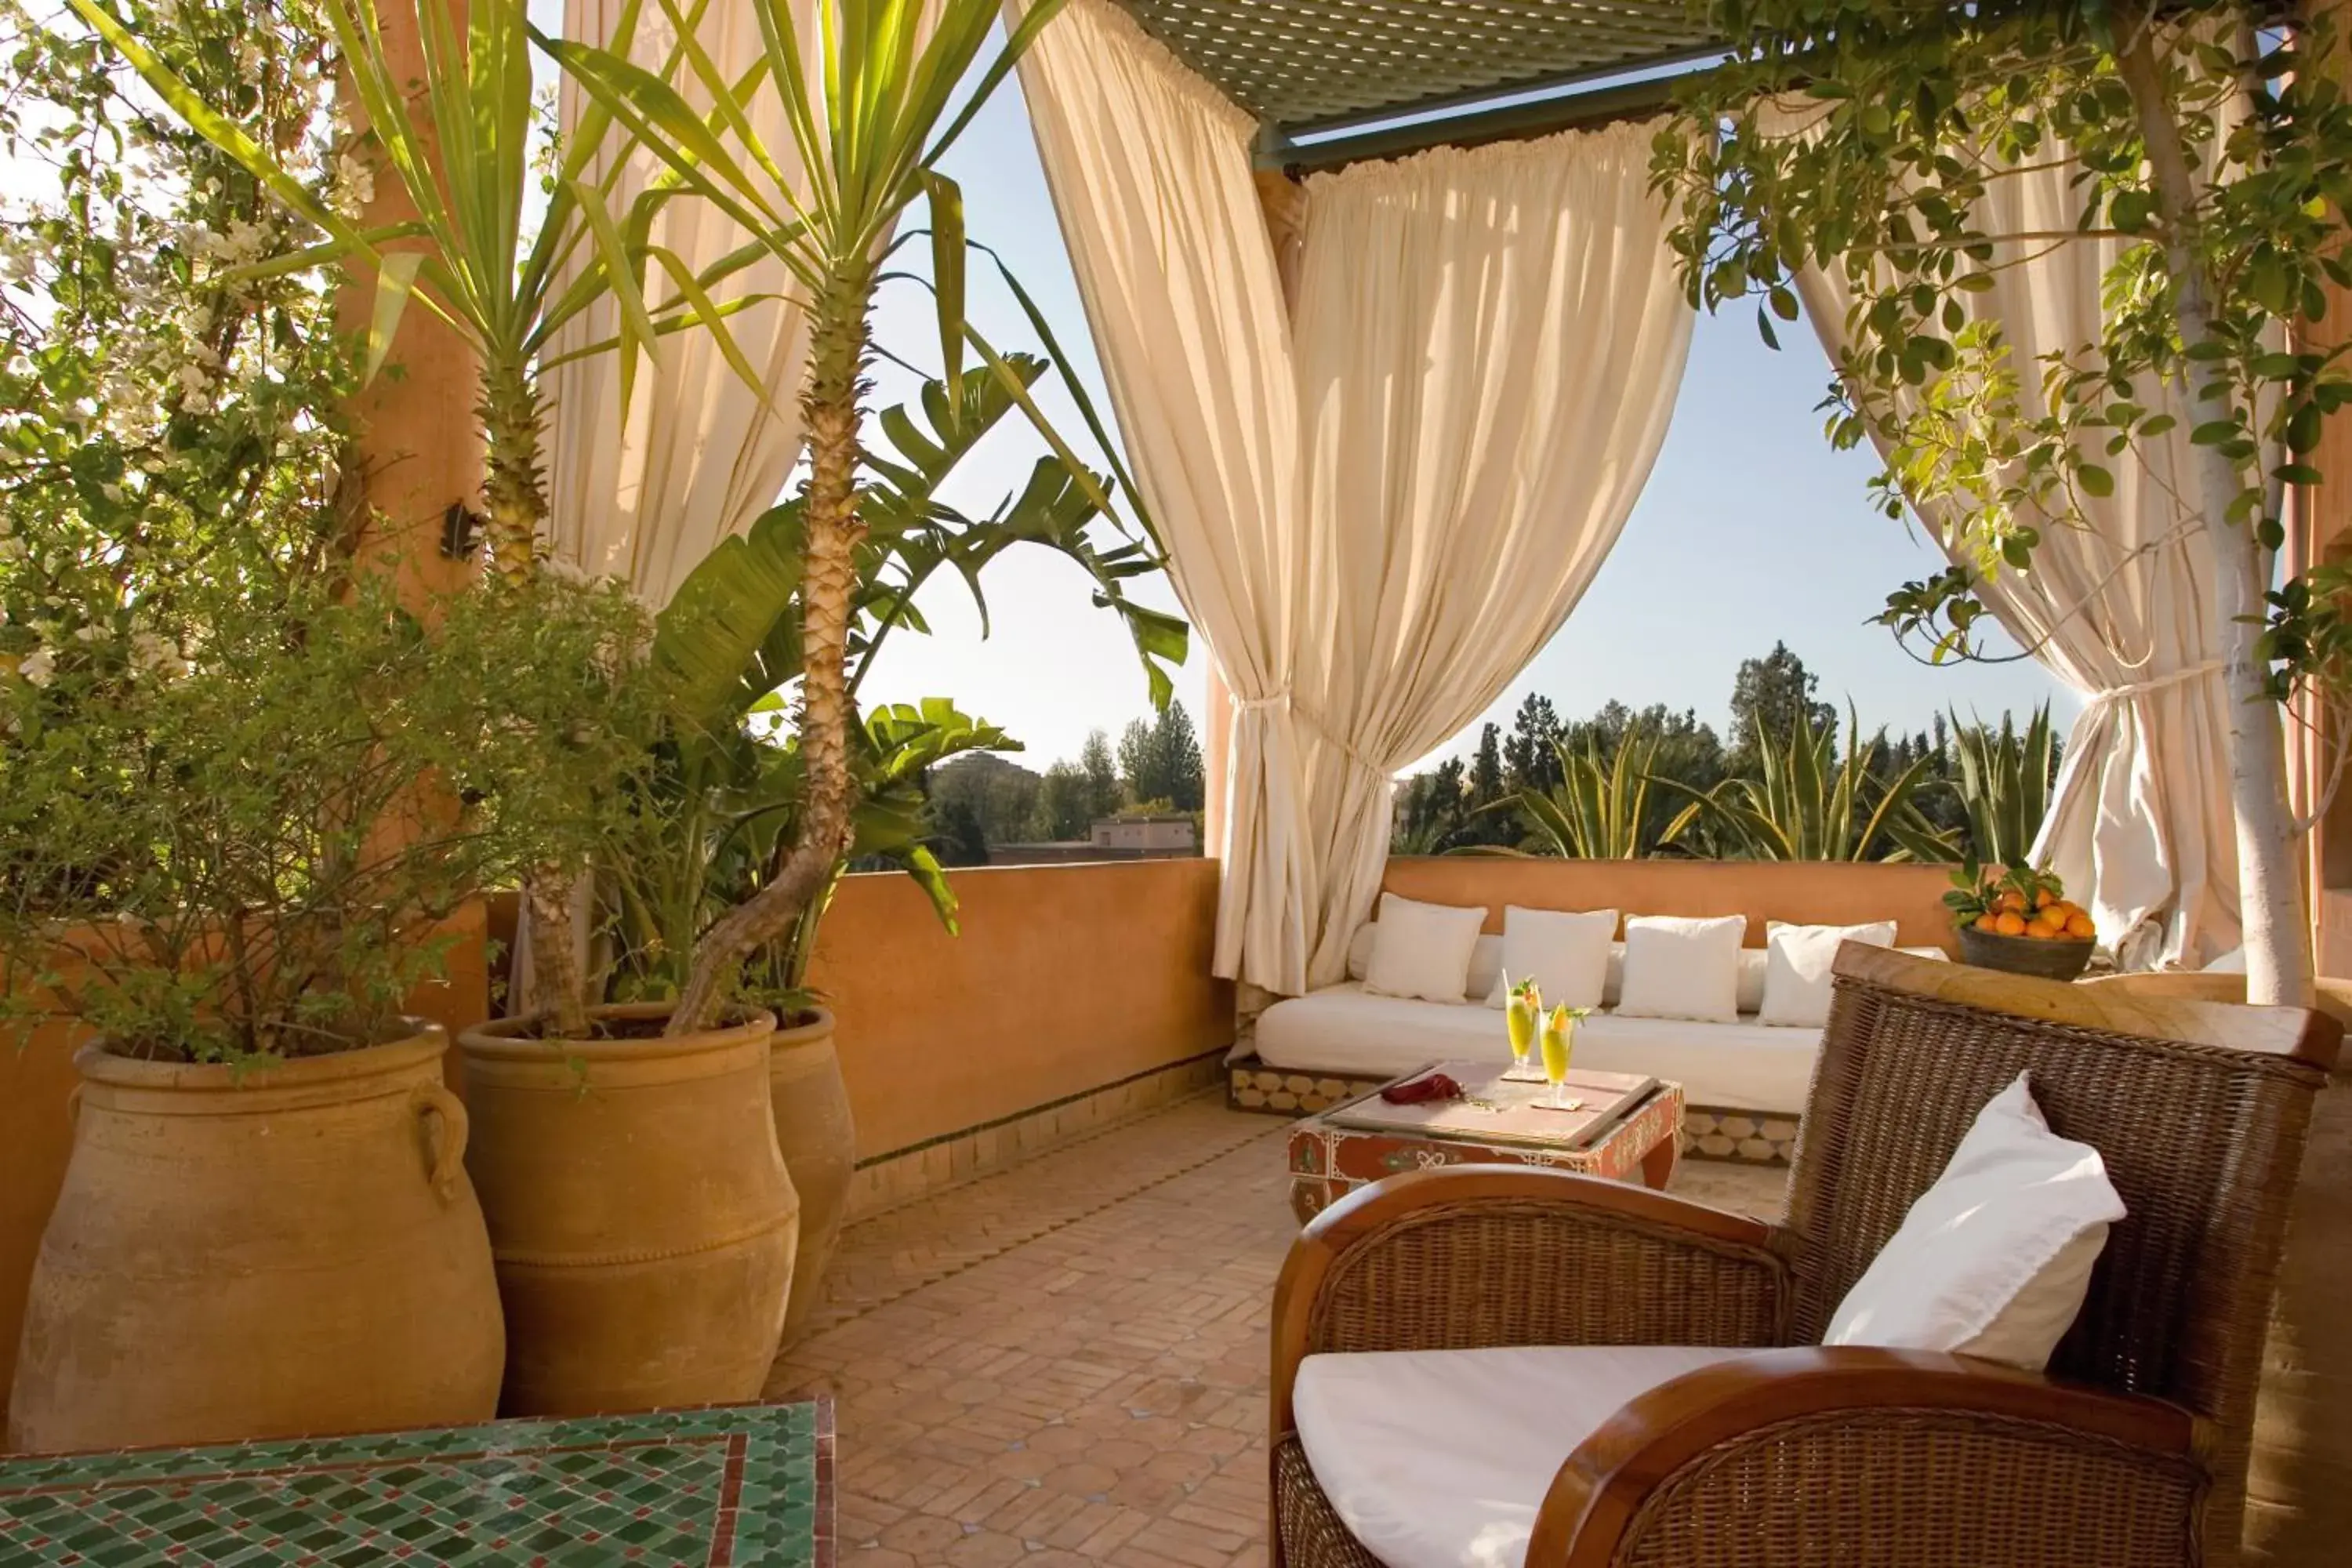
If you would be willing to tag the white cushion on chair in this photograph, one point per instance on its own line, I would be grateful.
(1441, 1458)
(1995, 1258)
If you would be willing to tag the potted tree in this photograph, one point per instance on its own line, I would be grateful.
(721, 804)
(238, 816)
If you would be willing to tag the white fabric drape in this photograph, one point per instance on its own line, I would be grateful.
(1377, 517)
(2122, 611)
(1150, 168)
(700, 454)
(1489, 343)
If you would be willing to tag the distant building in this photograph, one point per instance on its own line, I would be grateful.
(1161, 837)
(1172, 834)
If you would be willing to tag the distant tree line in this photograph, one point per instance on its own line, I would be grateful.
(1795, 779)
(983, 800)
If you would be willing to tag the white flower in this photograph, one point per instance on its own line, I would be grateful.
(37, 666)
(153, 654)
(88, 631)
(191, 379)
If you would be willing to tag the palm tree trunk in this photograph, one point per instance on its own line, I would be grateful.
(2270, 894)
(517, 496)
(830, 405)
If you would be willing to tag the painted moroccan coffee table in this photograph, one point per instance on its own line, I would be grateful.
(1631, 1130)
(748, 1486)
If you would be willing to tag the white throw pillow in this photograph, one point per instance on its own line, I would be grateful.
(1422, 950)
(1796, 961)
(1565, 954)
(1995, 1258)
(1682, 968)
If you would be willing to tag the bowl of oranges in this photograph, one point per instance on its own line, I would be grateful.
(2019, 919)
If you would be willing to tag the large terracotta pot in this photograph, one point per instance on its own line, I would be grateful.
(643, 1222)
(270, 1253)
(819, 1143)
(2299, 1492)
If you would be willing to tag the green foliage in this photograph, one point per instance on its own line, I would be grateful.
(504, 252)
(1774, 694)
(2005, 783)
(1065, 803)
(723, 803)
(1806, 802)
(1160, 760)
(233, 826)
(2214, 146)
(158, 414)
(1598, 811)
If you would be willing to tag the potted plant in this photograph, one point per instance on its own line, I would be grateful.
(722, 804)
(240, 812)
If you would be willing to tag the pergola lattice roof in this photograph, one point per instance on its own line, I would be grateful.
(1300, 65)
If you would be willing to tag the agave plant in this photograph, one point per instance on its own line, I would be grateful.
(722, 810)
(472, 257)
(1806, 802)
(871, 116)
(1600, 810)
(2005, 784)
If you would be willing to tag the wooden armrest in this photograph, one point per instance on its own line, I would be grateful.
(1468, 1255)
(1821, 1409)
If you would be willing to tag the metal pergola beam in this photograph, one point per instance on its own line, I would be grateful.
(1583, 98)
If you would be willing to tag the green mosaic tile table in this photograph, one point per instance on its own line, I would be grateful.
(741, 1486)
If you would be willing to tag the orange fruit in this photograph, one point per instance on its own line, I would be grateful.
(2013, 902)
(2045, 899)
(2010, 924)
(2041, 931)
(1988, 921)
(2079, 926)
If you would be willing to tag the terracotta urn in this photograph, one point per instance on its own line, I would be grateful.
(644, 1224)
(819, 1143)
(271, 1251)
(2299, 1489)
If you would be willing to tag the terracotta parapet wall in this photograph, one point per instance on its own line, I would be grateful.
(1065, 978)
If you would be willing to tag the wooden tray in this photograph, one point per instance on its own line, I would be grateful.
(1496, 1112)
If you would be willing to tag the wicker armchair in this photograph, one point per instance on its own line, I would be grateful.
(2131, 1451)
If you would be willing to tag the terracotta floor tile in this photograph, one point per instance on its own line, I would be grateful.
(1064, 1363)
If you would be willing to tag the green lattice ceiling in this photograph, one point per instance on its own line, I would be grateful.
(1296, 63)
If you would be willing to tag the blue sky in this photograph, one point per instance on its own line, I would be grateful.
(1752, 530)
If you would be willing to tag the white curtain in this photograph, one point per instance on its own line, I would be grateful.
(2122, 611)
(1150, 174)
(699, 455)
(1377, 519)
(1489, 343)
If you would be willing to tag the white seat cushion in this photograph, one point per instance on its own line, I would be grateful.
(1345, 1031)
(1441, 1458)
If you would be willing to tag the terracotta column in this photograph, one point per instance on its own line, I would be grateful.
(418, 452)
(419, 445)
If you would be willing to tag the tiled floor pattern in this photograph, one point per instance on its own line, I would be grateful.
(1066, 1363)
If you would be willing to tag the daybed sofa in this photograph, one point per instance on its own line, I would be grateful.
(1745, 1082)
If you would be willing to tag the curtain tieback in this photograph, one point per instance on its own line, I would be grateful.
(1299, 711)
(2162, 682)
